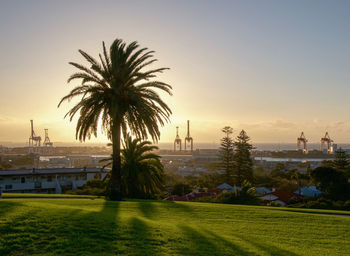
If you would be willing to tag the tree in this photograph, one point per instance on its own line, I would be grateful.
(226, 154)
(119, 93)
(341, 159)
(332, 182)
(181, 189)
(142, 170)
(243, 163)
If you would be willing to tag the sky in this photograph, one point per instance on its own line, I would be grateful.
(272, 68)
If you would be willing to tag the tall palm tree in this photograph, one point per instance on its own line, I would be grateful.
(119, 91)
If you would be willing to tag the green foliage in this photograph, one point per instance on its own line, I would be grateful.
(320, 203)
(332, 182)
(99, 227)
(142, 171)
(95, 187)
(243, 163)
(181, 189)
(226, 154)
(119, 92)
(247, 195)
(341, 160)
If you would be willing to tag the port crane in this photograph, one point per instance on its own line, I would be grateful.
(34, 141)
(177, 142)
(188, 138)
(326, 140)
(302, 140)
(47, 142)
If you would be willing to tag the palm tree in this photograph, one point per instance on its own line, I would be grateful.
(142, 170)
(117, 91)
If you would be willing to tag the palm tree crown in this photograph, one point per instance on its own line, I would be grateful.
(117, 90)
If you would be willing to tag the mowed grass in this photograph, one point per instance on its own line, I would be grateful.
(99, 227)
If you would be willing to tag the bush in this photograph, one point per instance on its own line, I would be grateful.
(240, 198)
(347, 205)
(181, 189)
(275, 204)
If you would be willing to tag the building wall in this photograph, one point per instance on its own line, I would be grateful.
(44, 183)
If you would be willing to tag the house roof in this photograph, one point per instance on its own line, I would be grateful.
(282, 195)
(263, 190)
(225, 186)
(308, 191)
(49, 171)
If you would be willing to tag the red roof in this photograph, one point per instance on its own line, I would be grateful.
(284, 195)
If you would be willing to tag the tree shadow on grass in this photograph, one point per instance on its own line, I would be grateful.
(267, 248)
(139, 239)
(151, 209)
(209, 243)
(60, 231)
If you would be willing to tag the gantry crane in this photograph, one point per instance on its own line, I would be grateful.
(177, 142)
(47, 142)
(302, 140)
(34, 141)
(188, 138)
(326, 140)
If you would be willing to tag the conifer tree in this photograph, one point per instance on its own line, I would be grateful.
(243, 163)
(341, 159)
(226, 154)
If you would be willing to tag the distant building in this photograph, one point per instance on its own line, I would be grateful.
(281, 197)
(46, 180)
(263, 190)
(310, 191)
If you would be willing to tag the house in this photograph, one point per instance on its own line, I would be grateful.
(263, 190)
(310, 191)
(281, 197)
(228, 188)
(48, 180)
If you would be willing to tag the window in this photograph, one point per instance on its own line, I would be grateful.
(49, 178)
(37, 185)
(23, 180)
(8, 186)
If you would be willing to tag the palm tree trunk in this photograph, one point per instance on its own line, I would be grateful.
(115, 192)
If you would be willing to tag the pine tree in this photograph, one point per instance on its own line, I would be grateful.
(341, 159)
(226, 154)
(243, 163)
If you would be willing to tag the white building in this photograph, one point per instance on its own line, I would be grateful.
(46, 180)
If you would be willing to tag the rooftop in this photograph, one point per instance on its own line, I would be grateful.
(49, 171)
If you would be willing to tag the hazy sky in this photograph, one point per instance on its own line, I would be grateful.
(273, 68)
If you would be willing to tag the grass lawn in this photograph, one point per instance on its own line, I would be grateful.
(39, 226)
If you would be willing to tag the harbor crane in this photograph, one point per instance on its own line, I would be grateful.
(302, 140)
(34, 141)
(177, 142)
(188, 138)
(326, 140)
(47, 142)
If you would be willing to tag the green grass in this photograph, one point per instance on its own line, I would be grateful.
(28, 195)
(98, 227)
